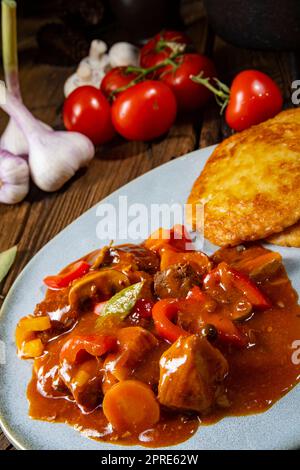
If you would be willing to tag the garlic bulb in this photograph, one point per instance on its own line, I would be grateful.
(14, 178)
(91, 69)
(54, 156)
(123, 54)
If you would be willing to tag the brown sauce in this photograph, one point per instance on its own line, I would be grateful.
(259, 375)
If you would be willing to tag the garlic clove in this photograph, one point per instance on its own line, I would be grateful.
(84, 71)
(96, 64)
(123, 54)
(13, 140)
(71, 84)
(14, 178)
(104, 63)
(97, 49)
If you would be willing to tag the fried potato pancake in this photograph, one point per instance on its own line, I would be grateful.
(288, 237)
(251, 183)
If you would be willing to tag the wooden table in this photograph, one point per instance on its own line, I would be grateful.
(41, 216)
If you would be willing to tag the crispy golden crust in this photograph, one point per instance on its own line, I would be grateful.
(288, 237)
(251, 183)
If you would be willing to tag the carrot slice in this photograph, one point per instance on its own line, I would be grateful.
(130, 405)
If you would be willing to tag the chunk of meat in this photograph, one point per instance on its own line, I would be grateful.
(135, 343)
(139, 276)
(56, 307)
(85, 383)
(136, 256)
(176, 281)
(256, 261)
(191, 375)
(199, 261)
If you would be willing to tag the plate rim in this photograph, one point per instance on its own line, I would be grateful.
(12, 435)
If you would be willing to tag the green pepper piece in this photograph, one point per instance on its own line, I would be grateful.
(120, 305)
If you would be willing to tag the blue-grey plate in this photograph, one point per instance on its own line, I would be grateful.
(277, 428)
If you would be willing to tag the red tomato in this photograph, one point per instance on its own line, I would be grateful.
(116, 78)
(156, 50)
(144, 111)
(86, 110)
(254, 98)
(189, 95)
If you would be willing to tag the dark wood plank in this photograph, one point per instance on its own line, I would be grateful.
(4, 443)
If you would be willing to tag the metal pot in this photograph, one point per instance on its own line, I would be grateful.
(256, 24)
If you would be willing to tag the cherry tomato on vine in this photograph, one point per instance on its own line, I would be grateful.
(156, 49)
(254, 98)
(144, 111)
(86, 110)
(189, 95)
(116, 78)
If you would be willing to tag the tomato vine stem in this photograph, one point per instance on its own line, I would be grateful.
(221, 91)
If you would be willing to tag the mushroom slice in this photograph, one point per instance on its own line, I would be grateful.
(105, 283)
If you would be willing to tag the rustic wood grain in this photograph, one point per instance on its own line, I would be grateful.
(41, 216)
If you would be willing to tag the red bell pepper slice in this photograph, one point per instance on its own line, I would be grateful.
(176, 238)
(250, 290)
(163, 312)
(179, 238)
(59, 281)
(227, 331)
(196, 294)
(223, 272)
(77, 348)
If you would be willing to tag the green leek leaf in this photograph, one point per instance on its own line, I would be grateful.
(6, 261)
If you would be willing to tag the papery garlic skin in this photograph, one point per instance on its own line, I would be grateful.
(14, 178)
